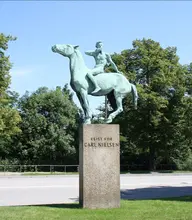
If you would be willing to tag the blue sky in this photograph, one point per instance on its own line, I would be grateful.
(39, 25)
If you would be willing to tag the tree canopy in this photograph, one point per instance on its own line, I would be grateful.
(9, 116)
(49, 126)
(154, 132)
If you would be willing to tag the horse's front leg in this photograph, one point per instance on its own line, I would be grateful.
(88, 113)
(82, 103)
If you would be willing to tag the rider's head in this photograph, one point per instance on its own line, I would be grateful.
(99, 44)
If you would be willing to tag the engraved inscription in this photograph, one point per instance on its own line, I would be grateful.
(101, 142)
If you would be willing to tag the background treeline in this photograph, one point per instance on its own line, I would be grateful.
(42, 127)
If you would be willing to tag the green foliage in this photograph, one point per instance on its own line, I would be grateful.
(154, 132)
(188, 78)
(49, 127)
(187, 165)
(9, 117)
(5, 65)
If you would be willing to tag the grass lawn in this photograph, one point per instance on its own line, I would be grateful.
(162, 209)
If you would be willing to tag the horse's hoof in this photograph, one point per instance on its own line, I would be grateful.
(96, 90)
(108, 121)
(101, 118)
(87, 122)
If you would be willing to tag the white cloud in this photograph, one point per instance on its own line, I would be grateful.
(20, 71)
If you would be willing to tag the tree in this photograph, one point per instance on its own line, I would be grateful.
(9, 116)
(188, 77)
(150, 130)
(49, 127)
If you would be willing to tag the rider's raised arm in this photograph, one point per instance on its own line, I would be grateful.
(109, 60)
(90, 53)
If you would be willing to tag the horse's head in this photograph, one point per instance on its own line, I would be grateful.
(64, 49)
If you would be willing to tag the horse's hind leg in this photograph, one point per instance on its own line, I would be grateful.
(118, 98)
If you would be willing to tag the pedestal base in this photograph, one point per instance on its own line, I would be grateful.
(99, 166)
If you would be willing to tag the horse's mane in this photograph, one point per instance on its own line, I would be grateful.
(79, 54)
(80, 57)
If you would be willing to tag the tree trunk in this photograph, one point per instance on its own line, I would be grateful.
(152, 158)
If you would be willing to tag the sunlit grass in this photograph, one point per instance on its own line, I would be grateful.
(161, 209)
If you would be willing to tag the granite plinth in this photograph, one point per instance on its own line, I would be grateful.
(99, 166)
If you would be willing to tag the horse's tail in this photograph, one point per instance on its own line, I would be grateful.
(134, 94)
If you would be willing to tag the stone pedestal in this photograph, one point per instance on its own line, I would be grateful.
(99, 166)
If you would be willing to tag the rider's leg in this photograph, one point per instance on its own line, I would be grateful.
(91, 77)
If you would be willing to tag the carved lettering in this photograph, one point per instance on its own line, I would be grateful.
(90, 144)
(101, 142)
(96, 138)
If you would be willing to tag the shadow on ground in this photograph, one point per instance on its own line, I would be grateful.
(162, 192)
(66, 206)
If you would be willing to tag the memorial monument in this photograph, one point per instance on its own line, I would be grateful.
(99, 144)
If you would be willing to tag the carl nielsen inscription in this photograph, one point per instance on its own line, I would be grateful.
(101, 142)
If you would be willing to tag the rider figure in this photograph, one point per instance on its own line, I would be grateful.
(102, 59)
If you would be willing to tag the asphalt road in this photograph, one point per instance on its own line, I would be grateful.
(22, 190)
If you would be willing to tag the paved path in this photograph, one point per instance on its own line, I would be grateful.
(22, 190)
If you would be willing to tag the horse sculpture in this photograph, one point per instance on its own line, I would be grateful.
(113, 85)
